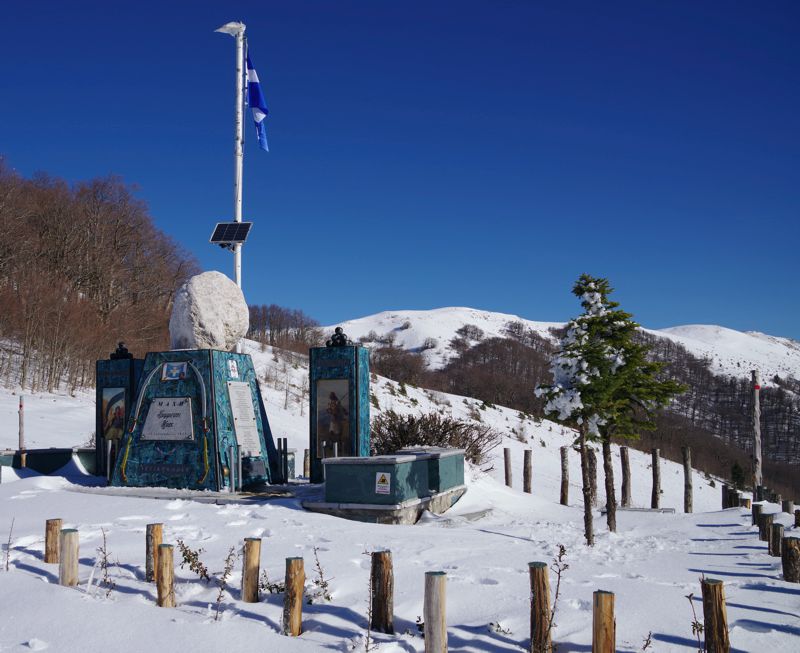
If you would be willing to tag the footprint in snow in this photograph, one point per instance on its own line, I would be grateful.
(36, 644)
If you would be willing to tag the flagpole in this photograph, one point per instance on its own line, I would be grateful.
(236, 30)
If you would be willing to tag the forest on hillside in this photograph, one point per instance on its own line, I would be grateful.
(81, 267)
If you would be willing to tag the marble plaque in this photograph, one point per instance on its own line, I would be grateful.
(169, 418)
(244, 418)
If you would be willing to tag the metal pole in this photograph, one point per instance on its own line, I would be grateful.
(236, 30)
(21, 423)
(23, 457)
(231, 470)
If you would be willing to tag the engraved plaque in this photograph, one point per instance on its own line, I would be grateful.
(244, 418)
(169, 418)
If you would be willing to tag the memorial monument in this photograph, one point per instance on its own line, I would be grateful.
(198, 420)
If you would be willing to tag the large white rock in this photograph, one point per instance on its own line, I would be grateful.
(209, 312)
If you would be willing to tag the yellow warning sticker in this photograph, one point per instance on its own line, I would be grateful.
(383, 483)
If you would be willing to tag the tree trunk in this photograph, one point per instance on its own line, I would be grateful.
(626, 477)
(588, 528)
(611, 499)
(593, 473)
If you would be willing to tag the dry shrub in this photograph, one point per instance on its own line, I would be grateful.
(391, 432)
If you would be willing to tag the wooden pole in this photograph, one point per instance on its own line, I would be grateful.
(603, 623)
(790, 557)
(725, 491)
(746, 503)
(626, 477)
(757, 478)
(250, 569)
(687, 479)
(381, 580)
(592, 473)
(507, 460)
(756, 509)
(526, 471)
(52, 528)
(540, 608)
(154, 536)
(434, 612)
(787, 506)
(68, 557)
(733, 498)
(715, 617)
(797, 518)
(564, 476)
(165, 577)
(765, 526)
(655, 497)
(306, 463)
(23, 456)
(775, 537)
(293, 597)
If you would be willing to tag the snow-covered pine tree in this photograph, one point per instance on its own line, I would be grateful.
(603, 384)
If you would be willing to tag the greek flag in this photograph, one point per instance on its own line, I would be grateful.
(257, 102)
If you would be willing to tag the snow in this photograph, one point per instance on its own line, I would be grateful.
(484, 544)
(735, 353)
(731, 352)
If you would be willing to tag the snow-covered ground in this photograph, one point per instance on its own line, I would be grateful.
(730, 352)
(484, 544)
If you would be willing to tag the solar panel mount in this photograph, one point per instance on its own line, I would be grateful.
(228, 234)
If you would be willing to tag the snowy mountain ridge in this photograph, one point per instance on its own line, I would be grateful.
(729, 352)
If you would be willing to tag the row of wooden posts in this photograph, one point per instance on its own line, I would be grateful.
(61, 547)
(625, 490)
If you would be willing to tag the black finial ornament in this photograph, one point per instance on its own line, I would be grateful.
(121, 353)
(339, 339)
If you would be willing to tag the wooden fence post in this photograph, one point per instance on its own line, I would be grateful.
(526, 471)
(687, 479)
(507, 460)
(715, 617)
(434, 612)
(797, 518)
(775, 537)
(154, 537)
(52, 528)
(655, 496)
(756, 509)
(626, 477)
(787, 506)
(540, 608)
(68, 557)
(603, 623)
(250, 569)
(734, 497)
(306, 463)
(381, 580)
(165, 576)
(564, 476)
(765, 526)
(725, 489)
(746, 503)
(790, 557)
(293, 597)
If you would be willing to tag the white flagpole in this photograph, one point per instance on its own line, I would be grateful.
(237, 31)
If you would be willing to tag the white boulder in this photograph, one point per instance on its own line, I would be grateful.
(209, 312)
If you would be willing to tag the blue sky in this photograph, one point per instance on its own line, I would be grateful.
(427, 154)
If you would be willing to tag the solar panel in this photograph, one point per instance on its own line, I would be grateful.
(230, 233)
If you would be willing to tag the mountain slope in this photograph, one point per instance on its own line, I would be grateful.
(729, 352)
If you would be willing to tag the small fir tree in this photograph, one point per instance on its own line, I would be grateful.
(603, 384)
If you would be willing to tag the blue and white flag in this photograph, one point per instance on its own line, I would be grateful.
(257, 102)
